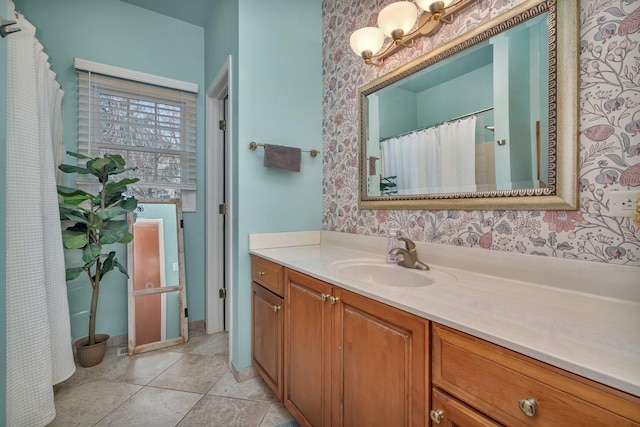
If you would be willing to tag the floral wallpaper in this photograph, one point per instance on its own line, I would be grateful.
(609, 139)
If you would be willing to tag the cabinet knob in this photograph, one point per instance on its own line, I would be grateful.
(528, 406)
(260, 273)
(436, 415)
(323, 297)
(333, 299)
(276, 308)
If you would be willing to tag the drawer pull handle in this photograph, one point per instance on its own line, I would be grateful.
(436, 415)
(528, 406)
(261, 273)
(323, 297)
(276, 308)
(333, 299)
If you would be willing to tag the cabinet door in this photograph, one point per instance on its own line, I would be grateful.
(266, 342)
(449, 412)
(307, 371)
(380, 364)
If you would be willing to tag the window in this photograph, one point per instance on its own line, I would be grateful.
(152, 127)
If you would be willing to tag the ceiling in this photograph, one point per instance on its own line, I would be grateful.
(196, 12)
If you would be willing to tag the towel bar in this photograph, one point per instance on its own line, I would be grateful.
(253, 145)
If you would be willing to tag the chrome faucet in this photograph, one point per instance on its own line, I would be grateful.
(409, 255)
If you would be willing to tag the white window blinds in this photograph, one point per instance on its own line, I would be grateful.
(153, 128)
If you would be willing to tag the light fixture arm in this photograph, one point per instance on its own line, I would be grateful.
(429, 23)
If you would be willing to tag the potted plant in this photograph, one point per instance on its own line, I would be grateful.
(96, 222)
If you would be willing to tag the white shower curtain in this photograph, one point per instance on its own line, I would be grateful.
(39, 351)
(439, 159)
(458, 155)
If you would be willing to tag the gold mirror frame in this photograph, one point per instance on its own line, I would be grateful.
(562, 192)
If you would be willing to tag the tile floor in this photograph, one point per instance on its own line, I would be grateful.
(185, 385)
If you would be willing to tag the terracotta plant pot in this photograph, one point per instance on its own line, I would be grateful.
(91, 355)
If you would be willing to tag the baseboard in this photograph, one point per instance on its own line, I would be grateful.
(243, 374)
(118, 341)
(197, 327)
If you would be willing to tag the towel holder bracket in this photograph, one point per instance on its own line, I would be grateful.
(254, 145)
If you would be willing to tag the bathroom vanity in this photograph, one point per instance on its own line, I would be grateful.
(450, 346)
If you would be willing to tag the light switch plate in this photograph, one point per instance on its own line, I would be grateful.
(623, 203)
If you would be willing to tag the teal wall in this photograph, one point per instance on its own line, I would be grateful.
(119, 34)
(398, 109)
(3, 216)
(520, 129)
(435, 105)
(528, 56)
(276, 98)
(221, 39)
(279, 102)
(221, 42)
(441, 102)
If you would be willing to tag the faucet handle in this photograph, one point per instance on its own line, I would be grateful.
(408, 243)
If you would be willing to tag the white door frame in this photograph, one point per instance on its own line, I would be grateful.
(215, 159)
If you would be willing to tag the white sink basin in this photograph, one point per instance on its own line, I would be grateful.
(380, 273)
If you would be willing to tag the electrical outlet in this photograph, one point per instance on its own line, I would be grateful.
(623, 203)
(175, 266)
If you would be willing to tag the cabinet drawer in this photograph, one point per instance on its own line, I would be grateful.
(495, 380)
(268, 274)
(449, 412)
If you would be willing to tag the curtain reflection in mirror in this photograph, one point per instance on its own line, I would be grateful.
(436, 159)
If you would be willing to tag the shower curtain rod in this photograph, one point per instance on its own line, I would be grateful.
(464, 116)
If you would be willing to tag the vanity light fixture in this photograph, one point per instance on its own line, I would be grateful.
(396, 21)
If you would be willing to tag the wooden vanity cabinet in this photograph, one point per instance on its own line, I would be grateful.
(516, 390)
(337, 358)
(350, 360)
(267, 322)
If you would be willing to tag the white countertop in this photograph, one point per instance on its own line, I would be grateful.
(580, 316)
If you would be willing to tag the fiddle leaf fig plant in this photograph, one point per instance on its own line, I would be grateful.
(96, 222)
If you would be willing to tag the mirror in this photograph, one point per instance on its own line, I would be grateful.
(157, 294)
(486, 121)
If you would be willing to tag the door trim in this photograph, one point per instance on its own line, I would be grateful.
(215, 159)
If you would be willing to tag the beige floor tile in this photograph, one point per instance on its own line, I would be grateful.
(112, 393)
(276, 415)
(138, 369)
(213, 411)
(152, 406)
(193, 372)
(89, 401)
(75, 380)
(252, 389)
(207, 345)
